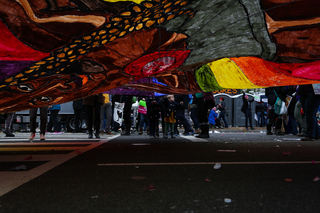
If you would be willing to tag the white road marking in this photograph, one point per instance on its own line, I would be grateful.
(10, 180)
(193, 138)
(208, 163)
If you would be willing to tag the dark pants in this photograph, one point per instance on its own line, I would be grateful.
(248, 117)
(54, 122)
(43, 119)
(77, 118)
(89, 112)
(182, 118)
(194, 117)
(154, 123)
(223, 116)
(310, 104)
(9, 121)
(203, 107)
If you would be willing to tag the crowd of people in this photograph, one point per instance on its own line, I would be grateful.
(111, 114)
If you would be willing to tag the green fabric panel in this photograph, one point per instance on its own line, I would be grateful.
(142, 103)
(206, 79)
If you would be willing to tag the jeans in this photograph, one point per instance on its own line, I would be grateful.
(43, 119)
(248, 117)
(183, 120)
(261, 119)
(194, 117)
(223, 116)
(310, 104)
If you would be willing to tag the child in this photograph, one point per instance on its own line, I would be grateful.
(170, 115)
(213, 118)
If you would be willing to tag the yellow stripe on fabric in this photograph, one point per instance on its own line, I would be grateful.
(135, 1)
(229, 75)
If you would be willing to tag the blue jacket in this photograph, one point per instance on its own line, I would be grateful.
(55, 107)
(212, 117)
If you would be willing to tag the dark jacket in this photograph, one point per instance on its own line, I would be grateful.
(170, 107)
(245, 103)
(77, 104)
(184, 99)
(153, 108)
(272, 97)
(89, 101)
(261, 107)
(223, 106)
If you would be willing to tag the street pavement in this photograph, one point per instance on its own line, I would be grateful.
(232, 171)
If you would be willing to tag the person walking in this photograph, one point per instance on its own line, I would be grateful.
(8, 125)
(106, 114)
(153, 108)
(78, 114)
(205, 101)
(43, 122)
(127, 114)
(180, 114)
(142, 110)
(54, 122)
(310, 103)
(260, 111)
(246, 109)
(222, 108)
(93, 105)
(273, 119)
(170, 115)
(194, 114)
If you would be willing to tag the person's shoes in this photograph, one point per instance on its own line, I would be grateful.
(90, 136)
(125, 133)
(187, 133)
(8, 133)
(42, 137)
(165, 136)
(197, 131)
(156, 137)
(172, 136)
(193, 132)
(31, 137)
(109, 133)
(252, 128)
(279, 132)
(307, 139)
(97, 136)
(151, 137)
(301, 135)
(269, 132)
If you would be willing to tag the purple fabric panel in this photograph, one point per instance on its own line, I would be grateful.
(8, 68)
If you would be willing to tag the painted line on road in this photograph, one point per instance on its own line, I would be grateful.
(193, 138)
(12, 179)
(208, 163)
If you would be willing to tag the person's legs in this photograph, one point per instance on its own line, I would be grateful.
(250, 118)
(223, 116)
(102, 117)
(247, 117)
(172, 129)
(89, 113)
(9, 121)
(312, 103)
(108, 111)
(43, 119)
(194, 117)
(166, 129)
(97, 110)
(77, 117)
(33, 118)
(181, 117)
(55, 121)
(294, 125)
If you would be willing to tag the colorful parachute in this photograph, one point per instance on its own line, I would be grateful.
(55, 51)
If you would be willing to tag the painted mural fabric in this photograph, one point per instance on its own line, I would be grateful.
(55, 51)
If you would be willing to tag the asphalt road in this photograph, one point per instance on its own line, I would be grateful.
(69, 173)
